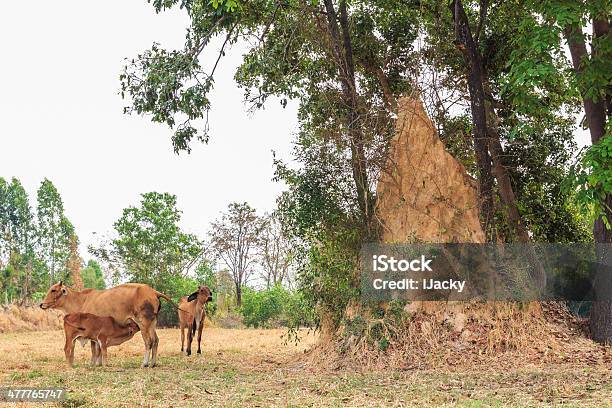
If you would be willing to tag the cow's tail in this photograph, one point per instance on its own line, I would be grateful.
(169, 299)
(161, 295)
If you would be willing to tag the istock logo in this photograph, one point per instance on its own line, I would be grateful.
(384, 263)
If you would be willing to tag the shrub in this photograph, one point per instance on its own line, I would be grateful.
(298, 312)
(259, 308)
(276, 307)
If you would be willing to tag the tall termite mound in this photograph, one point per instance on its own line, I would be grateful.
(425, 195)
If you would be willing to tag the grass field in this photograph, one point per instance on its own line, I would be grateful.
(255, 368)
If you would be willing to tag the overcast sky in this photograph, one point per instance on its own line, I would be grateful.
(61, 118)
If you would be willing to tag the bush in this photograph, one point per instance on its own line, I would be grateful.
(275, 307)
(259, 308)
(298, 311)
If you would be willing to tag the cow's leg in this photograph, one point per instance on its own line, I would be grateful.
(182, 326)
(99, 351)
(200, 328)
(95, 354)
(155, 343)
(144, 329)
(69, 351)
(190, 328)
(103, 351)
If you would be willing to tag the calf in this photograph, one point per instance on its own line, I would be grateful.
(104, 331)
(191, 313)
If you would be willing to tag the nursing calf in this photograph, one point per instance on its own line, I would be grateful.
(128, 302)
(191, 313)
(103, 331)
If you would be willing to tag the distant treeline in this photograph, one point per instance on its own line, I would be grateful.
(38, 245)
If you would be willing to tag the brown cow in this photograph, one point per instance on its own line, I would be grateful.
(135, 301)
(104, 331)
(191, 313)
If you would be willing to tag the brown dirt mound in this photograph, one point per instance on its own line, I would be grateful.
(425, 195)
(460, 336)
(15, 318)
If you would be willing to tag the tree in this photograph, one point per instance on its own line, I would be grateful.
(20, 218)
(325, 55)
(344, 62)
(4, 223)
(543, 30)
(32, 249)
(225, 291)
(92, 275)
(54, 229)
(274, 250)
(487, 144)
(469, 47)
(595, 71)
(233, 238)
(536, 145)
(150, 246)
(17, 238)
(205, 275)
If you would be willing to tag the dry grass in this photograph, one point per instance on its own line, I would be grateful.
(443, 335)
(255, 368)
(28, 318)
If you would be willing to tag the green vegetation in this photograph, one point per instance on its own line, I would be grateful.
(275, 307)
(150, 248)
(92, 275)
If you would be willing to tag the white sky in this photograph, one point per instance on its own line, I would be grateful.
(61, 118)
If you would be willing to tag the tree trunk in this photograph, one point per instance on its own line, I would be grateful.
(508, 199)
(504, 183)
(52, 272)
(601, 27)
(595, 111)
(388, 98)
(238, 295)
(600, 321)
(343, 55)
(486, 137)
(465, 43)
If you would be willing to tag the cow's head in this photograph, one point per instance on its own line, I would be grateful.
(56, 296)
(133, 327)
(203, 295)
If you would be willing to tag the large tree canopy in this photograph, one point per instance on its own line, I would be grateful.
(149, 246)
(492, 74)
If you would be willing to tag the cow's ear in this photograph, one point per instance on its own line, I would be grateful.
(64, 291)
(192, 297)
